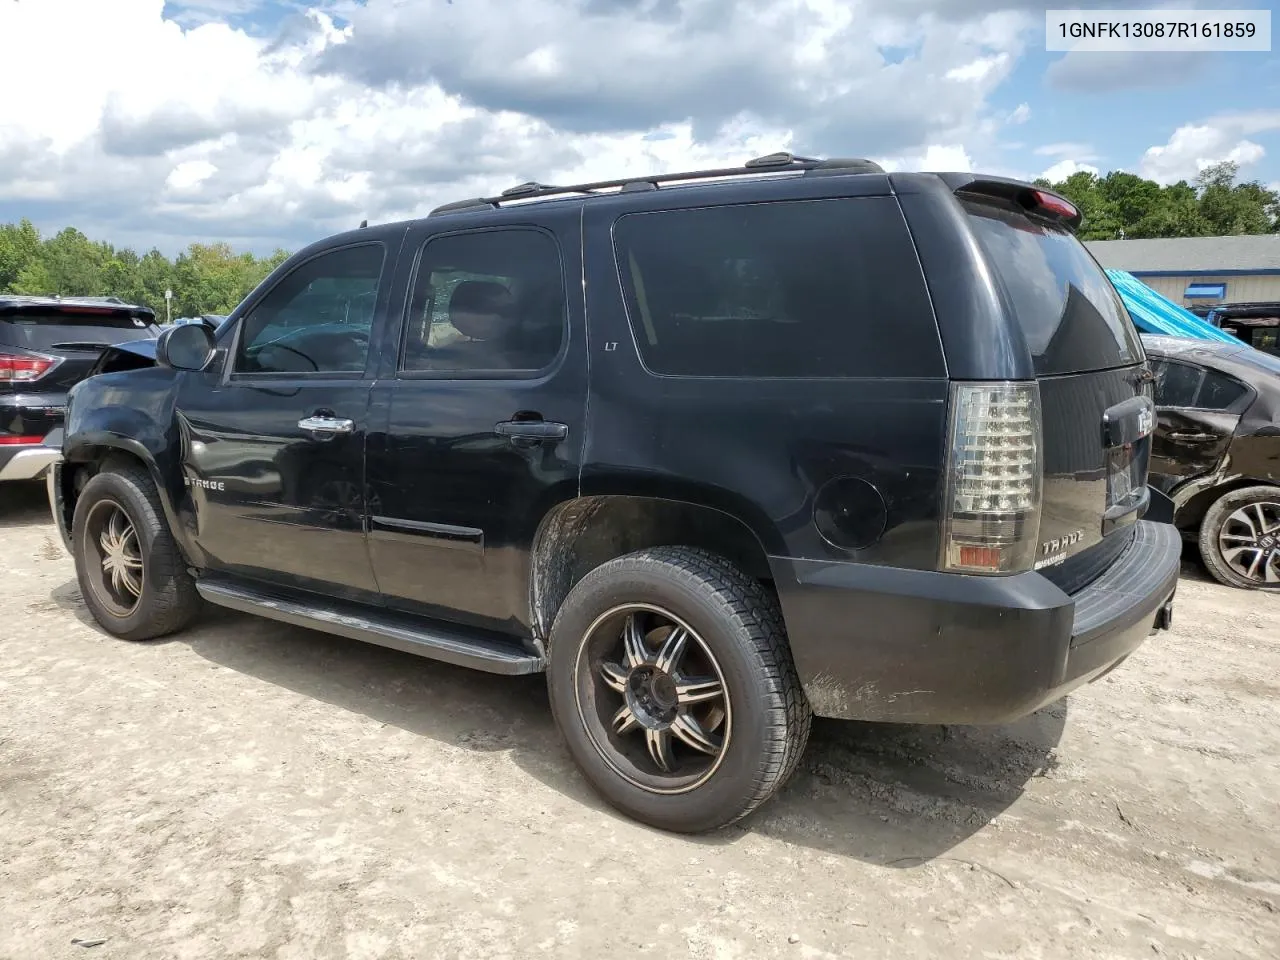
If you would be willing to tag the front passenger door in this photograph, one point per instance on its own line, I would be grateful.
(273, 445)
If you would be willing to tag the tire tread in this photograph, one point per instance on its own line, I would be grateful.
(174, 601)
(1207, 539)
(759, 620)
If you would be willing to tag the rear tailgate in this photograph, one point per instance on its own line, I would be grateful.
(46, 347)
(1095, 401)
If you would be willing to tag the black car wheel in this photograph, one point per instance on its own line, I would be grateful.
(131, 573)
(672, 682)
(1240, 538)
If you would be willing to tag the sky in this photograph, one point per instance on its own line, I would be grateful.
(268, 123)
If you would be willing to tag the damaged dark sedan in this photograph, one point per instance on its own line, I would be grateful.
(1216, 453)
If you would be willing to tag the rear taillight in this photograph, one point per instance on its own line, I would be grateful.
(15, 369)
(991, 513)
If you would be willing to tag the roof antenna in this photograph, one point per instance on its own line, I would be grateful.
(363, 224)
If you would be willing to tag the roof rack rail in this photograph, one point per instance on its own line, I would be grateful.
(781, 162)
(522, 189)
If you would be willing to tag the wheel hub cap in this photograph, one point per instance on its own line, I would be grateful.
(659, 711)
(1250, 542)
(119, 557)
(652, 696)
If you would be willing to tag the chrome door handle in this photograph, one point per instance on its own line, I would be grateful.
(1192, 436)
(332, 425)
(532, 429)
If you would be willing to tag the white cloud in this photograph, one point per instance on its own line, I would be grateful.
(979, 69)
(952, 157)
(189, 174)
(1065, 168)
(203, 130)
(937, 158)
(1193, 147)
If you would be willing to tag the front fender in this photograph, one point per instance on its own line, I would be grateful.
(131, 412)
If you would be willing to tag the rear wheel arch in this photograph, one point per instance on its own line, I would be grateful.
(1191, 514)
(581, 534)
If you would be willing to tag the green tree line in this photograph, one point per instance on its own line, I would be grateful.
(1122, 205)
(205, 278)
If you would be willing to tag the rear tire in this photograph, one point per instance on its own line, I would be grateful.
(1240, 538)
(131, 574)
(700, 718)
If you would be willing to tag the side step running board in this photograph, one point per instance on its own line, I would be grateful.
(451, 644)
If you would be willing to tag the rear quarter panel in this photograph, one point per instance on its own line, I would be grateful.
(1255, 450)
(761, 450)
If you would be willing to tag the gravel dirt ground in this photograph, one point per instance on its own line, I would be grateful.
(252, 790)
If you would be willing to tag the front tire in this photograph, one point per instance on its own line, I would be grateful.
(673, 685)
(1240, 538)
(131, 573)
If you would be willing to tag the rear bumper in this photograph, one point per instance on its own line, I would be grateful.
(33, 414)
(57, 503)
(910, 646)
(26, 462)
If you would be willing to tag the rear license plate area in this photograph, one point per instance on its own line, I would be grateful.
(1126, 437)
(1127, 475)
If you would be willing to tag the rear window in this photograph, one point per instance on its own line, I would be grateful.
(1219, 391)
(1193, 387)
(825, 288)
(1176, 383)
(1071, 316)
(47, 330)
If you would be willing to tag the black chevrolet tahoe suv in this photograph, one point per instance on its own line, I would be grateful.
(715, 451)
(47, 345)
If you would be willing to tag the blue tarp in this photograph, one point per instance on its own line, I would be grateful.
(1156, 314)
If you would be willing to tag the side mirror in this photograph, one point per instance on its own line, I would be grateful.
(186, 347)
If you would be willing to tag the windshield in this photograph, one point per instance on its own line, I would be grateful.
(1070, 314)
(47, 330)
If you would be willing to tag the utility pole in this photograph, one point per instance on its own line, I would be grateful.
(168, 305)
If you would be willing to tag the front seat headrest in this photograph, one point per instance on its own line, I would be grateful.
(481, 309)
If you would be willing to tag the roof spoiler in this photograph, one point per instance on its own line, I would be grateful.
(86, 305)
(1036, 201)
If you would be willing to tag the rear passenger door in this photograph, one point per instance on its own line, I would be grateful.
(480, 410)
(1197, 411)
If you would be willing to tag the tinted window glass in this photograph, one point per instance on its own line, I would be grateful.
(45, 331)
(492, 301)
(828, 288)
(317, 319)
(1176, 383)
(1266, 341)
(1070, 314)
(1219, 391)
